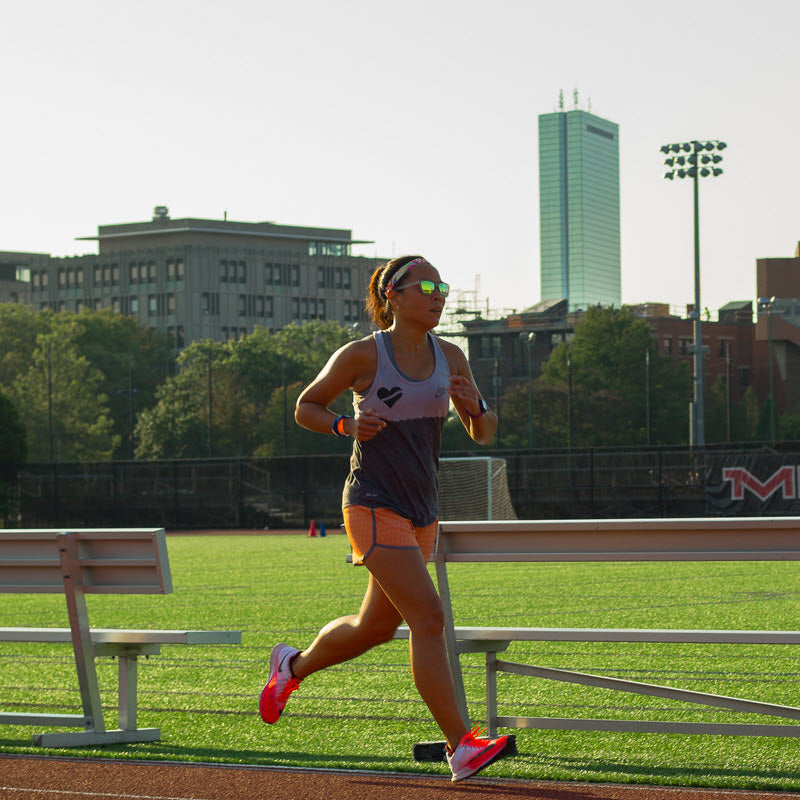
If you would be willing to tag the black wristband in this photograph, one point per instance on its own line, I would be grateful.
(483, 408)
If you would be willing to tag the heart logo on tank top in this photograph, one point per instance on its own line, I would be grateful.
(390, 396)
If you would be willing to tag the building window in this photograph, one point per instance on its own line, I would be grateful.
(242, 272)
(744, 377)
(170, 303)
(179, 268)
(667, 346)
(242, 305)
(328, 249)
(683, 346)
(152, 305)
(44, 280)
(134, 304)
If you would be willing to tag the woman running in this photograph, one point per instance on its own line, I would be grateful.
(403, 379)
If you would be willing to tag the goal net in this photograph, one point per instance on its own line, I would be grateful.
(474, 488)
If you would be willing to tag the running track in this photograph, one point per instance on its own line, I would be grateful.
(44, 778)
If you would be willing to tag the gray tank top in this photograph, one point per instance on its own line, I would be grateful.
(399, 468)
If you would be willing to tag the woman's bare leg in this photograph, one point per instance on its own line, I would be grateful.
(350, 636)
(399, 588)
(404, 578)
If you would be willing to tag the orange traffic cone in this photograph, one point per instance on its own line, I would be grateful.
(312, 531)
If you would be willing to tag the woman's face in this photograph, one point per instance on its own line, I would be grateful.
(412, 304)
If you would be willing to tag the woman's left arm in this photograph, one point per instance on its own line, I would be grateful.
(477, 418)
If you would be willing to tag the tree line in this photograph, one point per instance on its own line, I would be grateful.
(99, 386)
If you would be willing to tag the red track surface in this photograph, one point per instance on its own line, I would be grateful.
(39, 778)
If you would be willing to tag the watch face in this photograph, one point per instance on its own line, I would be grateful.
(482, 406)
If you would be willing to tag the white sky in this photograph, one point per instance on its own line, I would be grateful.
(413, 123)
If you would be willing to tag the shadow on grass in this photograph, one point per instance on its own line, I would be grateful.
(224, 757)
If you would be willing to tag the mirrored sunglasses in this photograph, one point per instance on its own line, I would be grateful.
(427, 287)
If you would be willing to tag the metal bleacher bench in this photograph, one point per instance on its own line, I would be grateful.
(93, 561)
(712, 539)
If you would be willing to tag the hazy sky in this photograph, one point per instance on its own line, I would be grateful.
(413, 123)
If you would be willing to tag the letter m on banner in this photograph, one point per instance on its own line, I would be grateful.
(741, 479)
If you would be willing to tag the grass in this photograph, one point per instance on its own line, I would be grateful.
(366, 714)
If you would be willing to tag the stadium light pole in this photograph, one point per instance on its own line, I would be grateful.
(529, 338)
(765, 306)
(210, 412)
(647, 392)
(700, 162)
(569, 400)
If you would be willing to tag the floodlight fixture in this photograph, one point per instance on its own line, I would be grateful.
(695, 148)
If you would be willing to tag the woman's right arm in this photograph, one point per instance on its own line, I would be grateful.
(352, 366)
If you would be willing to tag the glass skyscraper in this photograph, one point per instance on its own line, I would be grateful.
(579, 209)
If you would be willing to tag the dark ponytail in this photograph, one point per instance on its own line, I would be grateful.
(377, 303)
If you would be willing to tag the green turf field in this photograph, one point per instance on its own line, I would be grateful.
(367, 715)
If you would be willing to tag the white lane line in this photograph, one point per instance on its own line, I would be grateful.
(69, 793)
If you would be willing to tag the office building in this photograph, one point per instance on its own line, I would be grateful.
(579, 209)
(202, 279)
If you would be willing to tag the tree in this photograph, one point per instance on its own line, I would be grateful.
(19, 327)
(60, 400)
(129, 360)
(13, 438)
(13, 452)
(250, 387)
(603, 372)
(133, 361)
(789, 427)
